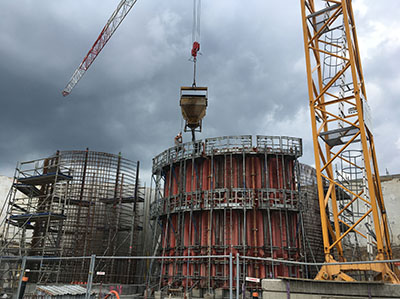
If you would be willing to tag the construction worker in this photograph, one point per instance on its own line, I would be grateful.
(178, 139)
(178, 142)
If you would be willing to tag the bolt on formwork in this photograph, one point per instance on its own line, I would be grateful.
(224, 196)
(74, 203)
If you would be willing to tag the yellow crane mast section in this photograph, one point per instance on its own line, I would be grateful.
(341, 127)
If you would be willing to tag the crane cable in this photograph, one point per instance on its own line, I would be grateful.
(195, 35)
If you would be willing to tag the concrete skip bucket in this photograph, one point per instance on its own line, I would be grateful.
(193, 104)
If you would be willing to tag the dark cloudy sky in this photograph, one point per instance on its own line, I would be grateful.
(252, 61)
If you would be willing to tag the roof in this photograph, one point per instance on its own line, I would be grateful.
(62, 290)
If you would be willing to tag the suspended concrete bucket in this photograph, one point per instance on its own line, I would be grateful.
(193, 105)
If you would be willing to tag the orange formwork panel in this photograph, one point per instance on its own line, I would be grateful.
(225, 195)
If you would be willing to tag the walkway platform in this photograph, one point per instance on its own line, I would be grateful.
(43, 179)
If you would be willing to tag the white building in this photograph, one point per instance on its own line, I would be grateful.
(391, 194)
(5, 186)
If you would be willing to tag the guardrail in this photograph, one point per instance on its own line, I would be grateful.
(229, 144)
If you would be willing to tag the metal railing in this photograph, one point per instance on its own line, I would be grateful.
(236, 198)
(229, 144)
(237, 279)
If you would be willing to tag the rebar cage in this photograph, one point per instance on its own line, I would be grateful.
(74, 203)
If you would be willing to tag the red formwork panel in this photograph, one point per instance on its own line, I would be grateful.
(231, 203)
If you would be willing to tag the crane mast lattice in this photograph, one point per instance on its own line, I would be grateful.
(349, 188)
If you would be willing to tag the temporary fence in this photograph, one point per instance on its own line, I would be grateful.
(149, 284)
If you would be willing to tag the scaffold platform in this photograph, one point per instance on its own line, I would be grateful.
(47, 178)
(38, 216)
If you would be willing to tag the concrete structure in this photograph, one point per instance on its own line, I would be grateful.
(311, 289)
(391, 195)
(228, 195)
(5, 186)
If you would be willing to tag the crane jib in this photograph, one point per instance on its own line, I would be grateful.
(112, 24)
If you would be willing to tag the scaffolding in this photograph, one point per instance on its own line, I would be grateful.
(74, 203)
(227, 195)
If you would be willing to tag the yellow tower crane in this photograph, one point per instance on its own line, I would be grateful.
(345, 157)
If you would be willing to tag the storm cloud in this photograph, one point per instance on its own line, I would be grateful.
(252, 60)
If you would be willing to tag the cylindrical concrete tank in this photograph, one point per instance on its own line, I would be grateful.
(227, 195)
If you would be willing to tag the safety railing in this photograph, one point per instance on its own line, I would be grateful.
(229, 144)
(235, 198)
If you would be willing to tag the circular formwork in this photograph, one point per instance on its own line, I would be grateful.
(228, 195)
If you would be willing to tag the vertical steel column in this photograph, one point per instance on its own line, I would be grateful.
(90, 276)
(21, 275)
(167, 206)
(237, 275)
(210, 217)
(244, 209)
(230, 276)
(78, 217)
(133, 222)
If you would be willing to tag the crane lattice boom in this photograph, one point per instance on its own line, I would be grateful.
(115, 20)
